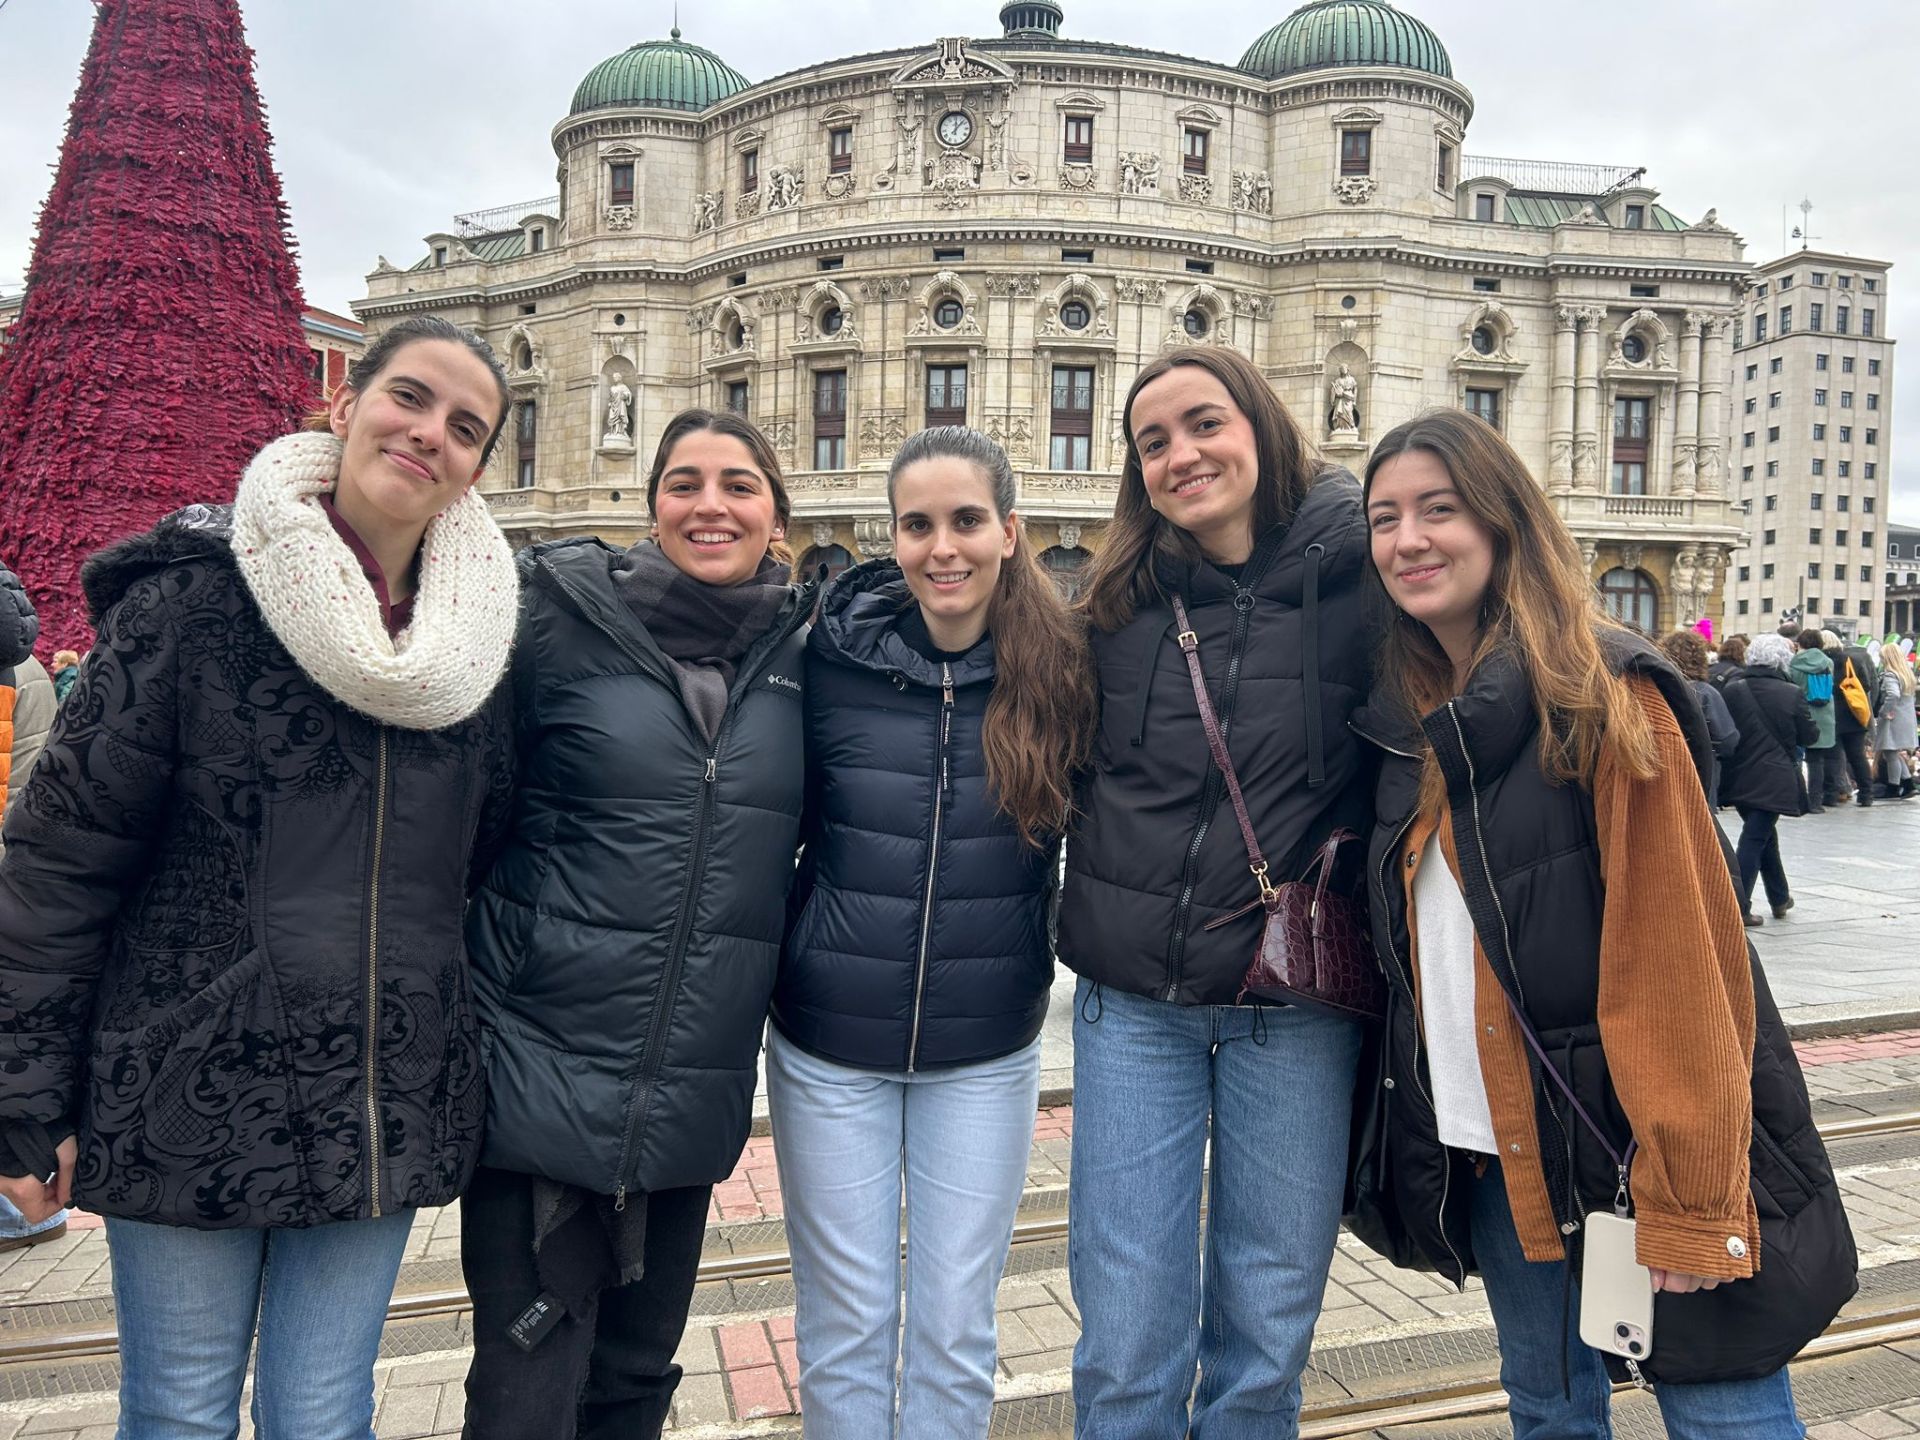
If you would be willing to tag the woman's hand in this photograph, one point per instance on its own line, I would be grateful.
(1676, 1283)
(38, 1199)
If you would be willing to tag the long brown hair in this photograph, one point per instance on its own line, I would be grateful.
(1121, 577)
(1540, 605)
(726, 422)
(1038, 728)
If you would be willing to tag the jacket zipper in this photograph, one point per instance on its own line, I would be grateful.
(1209, 796)
(943, 784)
(652, 1056)
(373, 974)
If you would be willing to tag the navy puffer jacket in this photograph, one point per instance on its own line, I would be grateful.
(919, 938)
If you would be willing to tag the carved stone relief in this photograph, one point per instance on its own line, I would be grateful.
(1078, 177)
(1196, 189)
(748, 205)
(708, 207)
(1024, 285)
(1129, 287)
(1253, 191)
(786, 184)
(1354, 189)
(874, 535)
(1139, 173)
(619, 217)
(839, 187)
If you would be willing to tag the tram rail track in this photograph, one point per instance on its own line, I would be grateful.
(30, 1345)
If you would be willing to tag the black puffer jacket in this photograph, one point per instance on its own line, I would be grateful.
(215, 867)
(1771, 713)
(1531, 879)
(625, 943)
(1155, 854)
(920, 932)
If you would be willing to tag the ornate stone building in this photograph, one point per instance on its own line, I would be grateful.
(1003, 230)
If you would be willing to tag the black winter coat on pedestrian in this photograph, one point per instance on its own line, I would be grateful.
(1154, 854)
(919, 938)
(1531, 879)
(1868, 674)
(230, 917)
(625, 943)
(1771, 713)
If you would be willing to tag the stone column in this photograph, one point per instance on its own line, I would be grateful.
(1686, 420)
(1586, 434)
(1560, 430)
(1710, 473)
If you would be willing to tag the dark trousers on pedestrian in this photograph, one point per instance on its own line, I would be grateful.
(1827, 775)
(605, 1371)
(1854, 747)
(1759, 855)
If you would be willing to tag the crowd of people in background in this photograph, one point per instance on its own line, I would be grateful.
(433, 873)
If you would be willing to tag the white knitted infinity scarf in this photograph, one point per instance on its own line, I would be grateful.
(317, 601)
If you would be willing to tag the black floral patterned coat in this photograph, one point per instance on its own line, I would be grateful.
(230, 918)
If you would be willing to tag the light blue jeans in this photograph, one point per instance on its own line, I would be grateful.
(1525, 1297)
(848, 1142)
(1150, 1079)
(14, 1226)
(189, 1303)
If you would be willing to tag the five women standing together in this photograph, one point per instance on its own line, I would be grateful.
(233, 978)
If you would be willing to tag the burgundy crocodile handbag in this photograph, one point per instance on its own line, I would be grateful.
(1315, 948)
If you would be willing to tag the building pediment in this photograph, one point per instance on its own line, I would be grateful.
(951, 63)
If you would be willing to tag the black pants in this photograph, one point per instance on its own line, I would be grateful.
(1759, 855)
(607, 1374)
(1826, 776)
(1854, 747)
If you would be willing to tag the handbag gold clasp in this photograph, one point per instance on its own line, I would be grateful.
(1266, 886)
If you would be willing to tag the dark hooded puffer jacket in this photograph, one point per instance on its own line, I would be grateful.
(920, 931)
(1154, 853)
(1531, 879)
(216, 866)
(1771, 714)
(625, 943)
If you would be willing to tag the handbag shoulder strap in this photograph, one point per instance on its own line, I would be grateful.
(1216, 742)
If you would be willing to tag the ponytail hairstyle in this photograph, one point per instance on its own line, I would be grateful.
(1038, 728)
(1121, 577)
(1540, 606)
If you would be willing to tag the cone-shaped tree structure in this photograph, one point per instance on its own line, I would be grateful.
(159, 344)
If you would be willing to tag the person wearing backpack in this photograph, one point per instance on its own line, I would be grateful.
(1812, 671)
(1856, 683)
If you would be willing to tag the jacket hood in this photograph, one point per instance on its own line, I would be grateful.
(193, 533)
(857, 627)
(1812, 662)
(1329, 516)
(19, 626)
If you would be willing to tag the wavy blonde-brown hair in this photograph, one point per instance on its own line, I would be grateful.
(1540, 605)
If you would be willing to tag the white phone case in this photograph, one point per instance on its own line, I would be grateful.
(1616, 1290)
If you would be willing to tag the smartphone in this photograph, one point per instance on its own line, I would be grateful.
(1616, 1290)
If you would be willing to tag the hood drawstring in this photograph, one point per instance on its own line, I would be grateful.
(1310, 666)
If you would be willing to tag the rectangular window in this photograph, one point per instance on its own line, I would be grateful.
(1486, 286)
(949, 255)
(1846, 469)
(1752, 405)
(1819, 467)
(1766, 604)
(1846, 364)
(1819, 432)
(1846, 434)
(1356, 152)
(1076, 257)
(1644, 292)
(749, 171)
(1079, 140)
(1846, 282)
(1743, 607)
(1813, 604)
(1873, 286)
(946, 395)
(1636, 217)
(1840, 320)
(1746, 572)
(526, 434)
(1766, 571)
(620, 183)
(1760, 291)
(1770, 502)
(1786, 282)
(1746, 440)
(1813, 569)
(840, 150)
(829, 419)
(1443, 175)
(1866, 608)
(1072, 428)
(1746, 474)
(1753, 372)
(1483, 208)
(1839, 537)
(1773, 434)
(737, 396)
(1873, 437)
(440, 255)
(1820, 362)
(1193, 152)
(1873, 367)
(1813, 537)
(1773, 400)
(833, 262)
(1759, 328)
(1846, 399)
(1873, 400)
(1767, 538)
(1816, 316)
(1773, 468)
(1872, 472)
(1199, 267)
(1786, 319)
(1739, 333)
(1819, 397)
(538, 238)
(1866, 539)
(1866, 574)
(1775, 365)
(1485, 404)
(1820, 278)
(1814, 501)
(1630, 425)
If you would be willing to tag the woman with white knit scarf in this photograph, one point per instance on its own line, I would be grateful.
(234, 1002)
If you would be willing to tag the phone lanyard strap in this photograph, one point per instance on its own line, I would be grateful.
(1622, 1162)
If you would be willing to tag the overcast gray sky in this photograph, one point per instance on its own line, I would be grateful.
(389, 117)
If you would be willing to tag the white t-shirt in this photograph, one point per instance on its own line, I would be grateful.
(1445, 958)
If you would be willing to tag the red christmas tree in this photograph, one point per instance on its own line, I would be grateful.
(159, 345)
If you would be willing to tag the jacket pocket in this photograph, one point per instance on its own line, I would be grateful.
(1781, 1186)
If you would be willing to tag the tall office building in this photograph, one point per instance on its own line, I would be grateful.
(1812, 390)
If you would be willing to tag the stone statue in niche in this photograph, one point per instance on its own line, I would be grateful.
(1685, 579)
(1343, 416)
(706, 210)
(619, 414)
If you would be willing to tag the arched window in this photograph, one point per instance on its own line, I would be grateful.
(1630, 595)
(835, 557)
(1065, 566)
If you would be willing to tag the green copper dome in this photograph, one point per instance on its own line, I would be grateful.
(663, 74)
(1332, 33)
